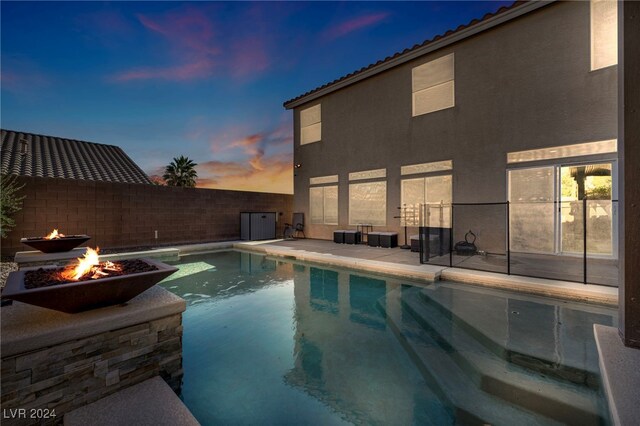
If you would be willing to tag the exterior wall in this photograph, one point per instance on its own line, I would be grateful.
(525, 84)
(64, 377)
(118, 215)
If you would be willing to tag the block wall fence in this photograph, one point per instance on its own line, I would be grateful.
(120, 215)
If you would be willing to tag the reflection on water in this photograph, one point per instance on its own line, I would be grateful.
(364, 293)
(271, 342)
(324, 290)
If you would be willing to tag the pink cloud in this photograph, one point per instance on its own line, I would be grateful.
(195, 48)
(8, 78)
(249, 55)
(346, 27)
(253, 144)
(22, 77)
(259, 170)
(245, 160)
(190, 36)
(200, 69)
(264, 174)
(190, 29)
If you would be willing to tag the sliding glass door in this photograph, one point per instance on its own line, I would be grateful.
(593, 183)
(547, 209)
(532, 219)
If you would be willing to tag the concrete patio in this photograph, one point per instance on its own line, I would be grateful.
(406, 264)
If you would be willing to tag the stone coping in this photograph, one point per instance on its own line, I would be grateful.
(205, 247)
(416, 272)
(620, 375)
(150, 403)
(35, 256)
(588, 293)
(27, 327)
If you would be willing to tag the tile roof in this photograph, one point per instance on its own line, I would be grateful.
(408, 51)
(53, 157)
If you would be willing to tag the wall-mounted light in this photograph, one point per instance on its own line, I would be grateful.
(297, 166)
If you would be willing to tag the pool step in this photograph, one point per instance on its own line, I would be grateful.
(564, 402)
(470, 404)
(483, 315)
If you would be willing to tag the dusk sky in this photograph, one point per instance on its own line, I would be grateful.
(201, 79)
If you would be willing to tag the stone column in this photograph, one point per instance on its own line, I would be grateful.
(629, 169)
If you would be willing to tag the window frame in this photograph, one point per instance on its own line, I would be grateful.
(444, 83)
(324, 206)
(368, 182)
(304, 125)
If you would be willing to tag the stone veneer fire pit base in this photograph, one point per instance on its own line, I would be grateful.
(52, 360)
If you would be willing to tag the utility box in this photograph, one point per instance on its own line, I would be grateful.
(257, 226)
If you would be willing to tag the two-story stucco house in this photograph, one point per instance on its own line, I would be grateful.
(519, 107)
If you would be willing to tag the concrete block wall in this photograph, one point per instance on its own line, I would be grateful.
(63, 377)
(120, 215)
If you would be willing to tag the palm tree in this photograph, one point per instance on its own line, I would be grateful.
(181, 172)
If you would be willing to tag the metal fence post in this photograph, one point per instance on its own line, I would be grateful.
(451, 238)
(584, 237)
(508, 239)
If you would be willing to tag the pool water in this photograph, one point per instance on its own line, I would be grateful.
(275, 342)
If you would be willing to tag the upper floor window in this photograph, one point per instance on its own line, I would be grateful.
(433, 85)
(604, 33)
(310, 124)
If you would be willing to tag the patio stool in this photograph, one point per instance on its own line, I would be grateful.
(338, 236)
(415, 243)
(352, 237)
(388, 239)
(373, 239)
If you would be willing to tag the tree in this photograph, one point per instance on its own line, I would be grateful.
(181, 172)
(10, 203)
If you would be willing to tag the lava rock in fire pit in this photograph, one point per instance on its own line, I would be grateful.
(48, 277)
(103, 284)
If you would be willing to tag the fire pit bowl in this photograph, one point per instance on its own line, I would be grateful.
(84, 295)
(56, 245)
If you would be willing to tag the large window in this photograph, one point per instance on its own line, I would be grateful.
(433, 86)
(604, 33)
(310, 124)
(368, 203)
(323, 205)
(435, 193)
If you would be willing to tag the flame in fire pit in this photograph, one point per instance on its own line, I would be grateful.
(54, 235)
(90, 263)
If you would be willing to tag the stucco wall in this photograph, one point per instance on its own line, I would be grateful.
(522, 85)
(118, 215)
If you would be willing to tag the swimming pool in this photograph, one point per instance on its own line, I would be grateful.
(268, 341)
